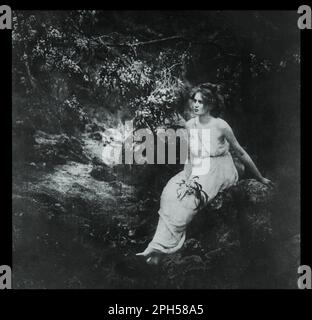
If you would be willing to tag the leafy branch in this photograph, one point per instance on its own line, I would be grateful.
(192, 187)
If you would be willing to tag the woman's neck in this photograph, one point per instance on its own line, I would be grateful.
(205, 118)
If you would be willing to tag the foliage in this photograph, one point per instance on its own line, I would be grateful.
(144, 63)
(192, 187)
(56, 59)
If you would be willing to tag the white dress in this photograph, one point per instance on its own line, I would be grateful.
(178, 203)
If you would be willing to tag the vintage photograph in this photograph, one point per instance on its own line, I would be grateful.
(155, 149)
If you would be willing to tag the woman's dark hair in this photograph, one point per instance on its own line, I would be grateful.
(209, 92)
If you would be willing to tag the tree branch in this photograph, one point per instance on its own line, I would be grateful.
(157, 40)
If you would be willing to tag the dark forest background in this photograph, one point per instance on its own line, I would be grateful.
(78, 73)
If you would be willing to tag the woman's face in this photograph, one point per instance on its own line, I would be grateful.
(199, 107)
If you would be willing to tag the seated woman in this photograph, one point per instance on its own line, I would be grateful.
(209, 170)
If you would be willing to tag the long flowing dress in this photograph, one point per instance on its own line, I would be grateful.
(179, 203)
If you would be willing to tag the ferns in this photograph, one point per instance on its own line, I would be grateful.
(189, 187)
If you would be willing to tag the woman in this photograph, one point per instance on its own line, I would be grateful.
(209, 170)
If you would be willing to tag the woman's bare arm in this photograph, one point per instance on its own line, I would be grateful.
(242, 154)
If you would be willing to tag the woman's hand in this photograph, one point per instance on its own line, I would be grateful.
(267, 182)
